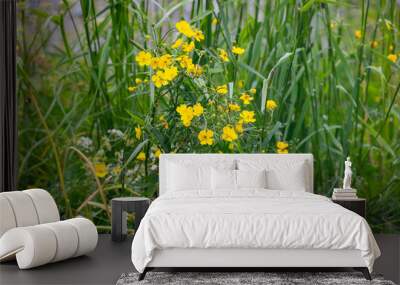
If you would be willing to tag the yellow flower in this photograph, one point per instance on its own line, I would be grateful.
(214, 21)
(206, 137)
(138, 132)
(188, 47)
(253, 90)
(246, 98)
(222, 89)
(234, 107)
(157, 153)
(358, 34)
(159, 79)
(184, 61)
(237, 50)
(247, 116)
(229, 134)
(155, 62)
(165, 61)
(333, 24)
(374, 44)
(195, 69)
(392, 57)
(282, 145)
(164, 122)
(391, 48)
(239, 126)
(143, 58)
(271, 105)
(198, 35)
(282, 151)
(198, 109)
(177, 43)
(240, 83)
(170, 74)
(131, 88)
(184, 28)
(223, 55)
(100, 169)
(186, 114)
(138, 81)
(141, 156)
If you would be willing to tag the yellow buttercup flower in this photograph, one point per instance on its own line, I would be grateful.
(240, 83)
(159, 79)
(392, 57)
(131, 88)
(188, 47)
(374, 44)
(214, 21)
(184, 61)
(234, 107)
(155, 62)
(138, 80)
(198, 35)
(100, 169)
(206, 137)
(177, 43)
(141, 156)
(181, 109)
(138, 132)
(222, 89)
(247, 116)
(165, 61)
(229, 134)
(358, 34)
(239, 127)
(198, 109)
(391, 48)
(195, 69)
(157, 153)
(282, 145)
(282, 151)
(223, 55)
(186, 114)
(143, 58)
(253, 90)
(271, 105)
(184, 28)
(246, 98)
(237, 50)
(170, 73)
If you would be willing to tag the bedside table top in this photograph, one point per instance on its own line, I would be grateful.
(351, 199)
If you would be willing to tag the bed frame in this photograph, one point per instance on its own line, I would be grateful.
(246, 258)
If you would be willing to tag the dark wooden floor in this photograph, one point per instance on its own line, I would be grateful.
(110, 260)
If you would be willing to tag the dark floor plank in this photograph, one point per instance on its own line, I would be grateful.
(103, 266)
(111, 259)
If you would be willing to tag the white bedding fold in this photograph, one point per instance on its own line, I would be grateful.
(250, 218)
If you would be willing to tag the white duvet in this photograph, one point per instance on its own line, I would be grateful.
(253, 218)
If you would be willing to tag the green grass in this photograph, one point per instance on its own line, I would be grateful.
(336, 95)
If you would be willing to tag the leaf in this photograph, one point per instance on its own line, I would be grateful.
(170, 11)
(264, 93)
(135, 152)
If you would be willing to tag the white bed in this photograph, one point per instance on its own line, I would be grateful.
(249, 227)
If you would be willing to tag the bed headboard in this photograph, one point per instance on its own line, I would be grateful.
(204, 159)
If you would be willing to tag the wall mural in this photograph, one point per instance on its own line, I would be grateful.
(105, 87)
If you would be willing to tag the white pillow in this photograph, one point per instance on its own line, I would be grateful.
(280, 174)
(182, 177)
(223, 179)
(292, 179)
(251, 178)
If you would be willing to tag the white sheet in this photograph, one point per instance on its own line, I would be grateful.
(252, 218)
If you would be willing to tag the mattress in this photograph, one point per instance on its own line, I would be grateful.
(250, 219)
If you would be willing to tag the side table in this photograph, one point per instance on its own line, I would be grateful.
(358, 205)
(119, 208)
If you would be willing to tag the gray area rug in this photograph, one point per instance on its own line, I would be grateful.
(229, 278)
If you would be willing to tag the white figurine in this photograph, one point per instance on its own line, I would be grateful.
(347, 174)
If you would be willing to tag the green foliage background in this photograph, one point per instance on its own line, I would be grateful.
(337, 94)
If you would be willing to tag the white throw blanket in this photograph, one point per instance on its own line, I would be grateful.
(253, 218)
